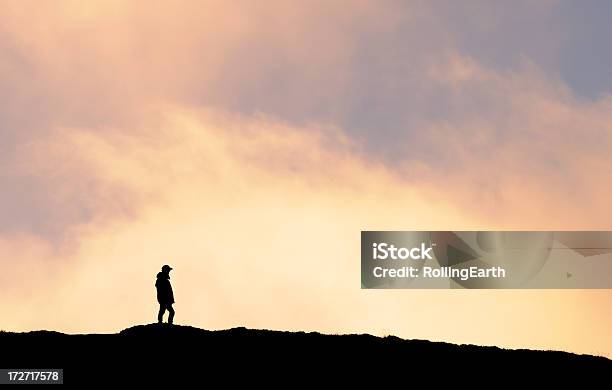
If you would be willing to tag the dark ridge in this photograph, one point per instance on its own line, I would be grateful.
(146, 352)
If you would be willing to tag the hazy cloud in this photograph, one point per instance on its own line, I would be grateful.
(135, 134)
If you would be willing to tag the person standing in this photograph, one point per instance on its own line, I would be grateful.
(165, 297)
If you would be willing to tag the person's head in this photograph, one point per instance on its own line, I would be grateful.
(166, 269)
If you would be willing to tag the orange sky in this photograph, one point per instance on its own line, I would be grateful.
(220, 139)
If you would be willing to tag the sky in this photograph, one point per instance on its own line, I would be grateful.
(248, 143)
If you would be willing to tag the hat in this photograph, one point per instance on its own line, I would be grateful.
(166, 267)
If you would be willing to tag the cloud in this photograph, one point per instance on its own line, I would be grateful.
(248, 146)
(261, 222)
(518, 145)
(234, 203)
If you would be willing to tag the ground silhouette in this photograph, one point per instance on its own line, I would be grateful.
(185, 354)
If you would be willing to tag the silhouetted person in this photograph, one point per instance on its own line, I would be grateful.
(165, 297)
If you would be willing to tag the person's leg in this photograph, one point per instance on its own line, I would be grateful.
(160, 315)
(171, 313)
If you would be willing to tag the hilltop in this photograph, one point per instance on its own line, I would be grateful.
(145, 352)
